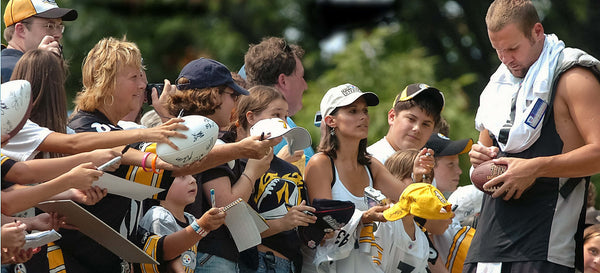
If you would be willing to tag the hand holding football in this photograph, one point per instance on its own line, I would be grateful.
(201, 135)
(484, 173)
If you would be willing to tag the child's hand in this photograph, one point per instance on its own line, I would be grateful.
(89, 196)
(255, 168)
(284, 154)
(212, 219)
(82, 176)
(101, 156)
(13, 235)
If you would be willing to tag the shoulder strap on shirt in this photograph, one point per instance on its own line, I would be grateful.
(332, 171)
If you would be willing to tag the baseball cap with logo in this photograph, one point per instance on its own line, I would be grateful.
(443, 146)
(413, 90)
(343, 95)
(421, 200)
(19, 10)
(203, 73)
(297, 138)
(331, 215)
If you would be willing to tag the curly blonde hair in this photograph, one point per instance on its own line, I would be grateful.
(100, 69)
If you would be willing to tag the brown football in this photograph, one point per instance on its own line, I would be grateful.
(484, 173)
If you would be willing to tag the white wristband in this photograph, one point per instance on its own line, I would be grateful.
(198, 229)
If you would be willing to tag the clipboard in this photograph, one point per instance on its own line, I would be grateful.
(99, 231)
(123, 187)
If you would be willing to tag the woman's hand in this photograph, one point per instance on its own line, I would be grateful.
(299, 215)
(374, 214)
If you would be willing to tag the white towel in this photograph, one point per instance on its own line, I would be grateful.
(532, 93)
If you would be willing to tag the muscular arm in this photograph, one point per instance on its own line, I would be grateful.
(576, 114)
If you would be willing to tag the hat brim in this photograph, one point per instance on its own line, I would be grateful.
(370, 97)
(395, 213)
(456, 147)
(238, 89)
(298, 139)
(439, 96)
(64, 14)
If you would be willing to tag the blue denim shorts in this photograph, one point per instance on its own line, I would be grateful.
(269, 263)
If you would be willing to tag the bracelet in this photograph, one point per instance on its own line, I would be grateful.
(249, 179)
(198, 229)
(412, 176)
(154, 164)
(144, 161)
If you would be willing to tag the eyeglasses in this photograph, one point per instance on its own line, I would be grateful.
(234, 95)
(49, 27)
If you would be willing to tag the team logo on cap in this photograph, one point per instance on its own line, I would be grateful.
(349, 90)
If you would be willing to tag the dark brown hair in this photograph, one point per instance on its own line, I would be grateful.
(329, 144)
(46, 72)
(203, 101)
(258, 100)
(264, 62)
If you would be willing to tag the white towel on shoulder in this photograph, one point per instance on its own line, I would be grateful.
(532, 92)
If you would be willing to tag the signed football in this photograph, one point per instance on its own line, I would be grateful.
(484, 173)
(16, 105)
(201, 135)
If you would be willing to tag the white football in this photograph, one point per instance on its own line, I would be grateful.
(16, 105)
(201, 135)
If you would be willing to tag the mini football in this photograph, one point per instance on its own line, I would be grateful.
(16, 105)
(201, 135)
(485, 172)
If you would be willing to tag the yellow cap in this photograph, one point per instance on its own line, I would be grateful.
(421, 200)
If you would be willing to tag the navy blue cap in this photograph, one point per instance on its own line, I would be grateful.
(331, 215)
(203, 73)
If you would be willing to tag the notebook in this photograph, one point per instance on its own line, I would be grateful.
(244, 224)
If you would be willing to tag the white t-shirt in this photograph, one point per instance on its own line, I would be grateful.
(381, 150)
(23, 146)
(398, 252)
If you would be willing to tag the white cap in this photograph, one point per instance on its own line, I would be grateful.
(468, 201)
(343, 95)
(297, 138)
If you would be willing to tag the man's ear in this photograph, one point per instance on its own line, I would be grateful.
(538, 31)
(391, 116)
(281, 81)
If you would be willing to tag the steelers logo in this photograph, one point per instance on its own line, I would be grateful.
(188, 259)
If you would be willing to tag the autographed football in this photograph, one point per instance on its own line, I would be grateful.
(201, 135)
(16, 105)
(484, 173)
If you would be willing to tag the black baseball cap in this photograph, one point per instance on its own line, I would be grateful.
(204, 73)
(331, 215)
(443, 146)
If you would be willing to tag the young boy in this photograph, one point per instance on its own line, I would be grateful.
(170, 217)
(413, 117)
(409, 248)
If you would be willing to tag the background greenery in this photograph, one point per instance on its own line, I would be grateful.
(387, 43)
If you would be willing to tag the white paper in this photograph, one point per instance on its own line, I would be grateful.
(245, 225)
(99, 231)
(34, 240)
(123, 187)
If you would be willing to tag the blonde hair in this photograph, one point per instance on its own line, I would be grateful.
(401, 163)
(100, 69)
(505, 12)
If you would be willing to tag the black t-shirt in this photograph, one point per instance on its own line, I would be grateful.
(7, 164)
(219, 242)
(81, 253)
(281, 184)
